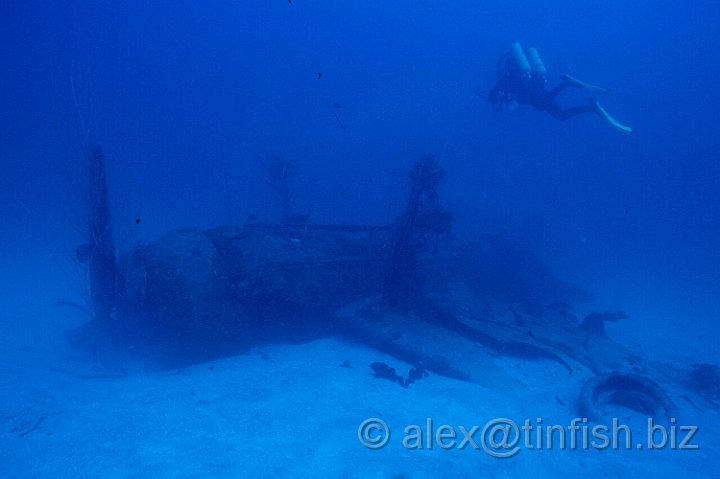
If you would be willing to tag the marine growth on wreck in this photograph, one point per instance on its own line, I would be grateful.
(406, 289)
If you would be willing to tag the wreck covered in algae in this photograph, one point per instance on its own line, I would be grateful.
(404, 288)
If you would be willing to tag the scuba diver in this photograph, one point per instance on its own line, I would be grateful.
(521, 81)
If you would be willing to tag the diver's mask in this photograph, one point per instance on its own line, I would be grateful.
(509, 102)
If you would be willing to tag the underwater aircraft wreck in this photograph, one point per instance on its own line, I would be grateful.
(405, 289)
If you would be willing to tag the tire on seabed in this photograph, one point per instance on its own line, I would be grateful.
(605, 395)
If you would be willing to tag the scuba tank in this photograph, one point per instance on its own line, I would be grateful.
(538, 67)
(521, 60)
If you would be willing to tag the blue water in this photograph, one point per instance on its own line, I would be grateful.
(192, 100)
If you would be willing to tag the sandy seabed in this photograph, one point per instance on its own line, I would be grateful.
(284, 411)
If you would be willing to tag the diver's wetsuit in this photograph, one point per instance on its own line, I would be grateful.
(512, 85)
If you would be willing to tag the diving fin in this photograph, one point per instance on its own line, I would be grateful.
(601, 111)
(581, 84)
